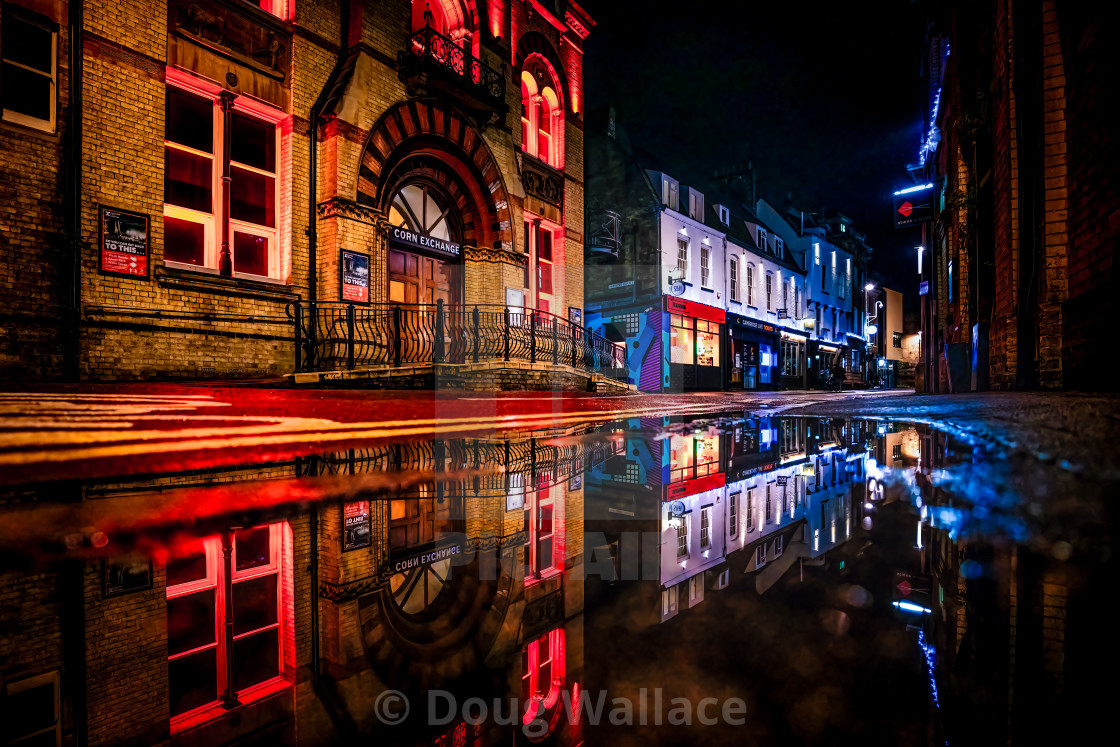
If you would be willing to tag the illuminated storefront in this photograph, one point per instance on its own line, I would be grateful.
(693, 333)
(753, 363)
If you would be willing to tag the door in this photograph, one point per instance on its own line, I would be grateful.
(750, 365)
(736, 364)
(417, 282)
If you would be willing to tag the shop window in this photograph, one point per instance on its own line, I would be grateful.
(682, 339)
(31, 711)
(705, 267)
(29, 69)
(542, 117)
(733, 513)
(682, 537)
(542, 673)
(200, 589)
(707, 343)
(692, 456)
(705, 528)
(193, 164)
(733, 278)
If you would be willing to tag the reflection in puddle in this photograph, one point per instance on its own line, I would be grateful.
(661, 580)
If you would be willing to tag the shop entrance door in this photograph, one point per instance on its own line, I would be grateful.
(750, 365)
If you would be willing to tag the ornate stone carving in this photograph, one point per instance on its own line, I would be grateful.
(541, 181)
(228, 31)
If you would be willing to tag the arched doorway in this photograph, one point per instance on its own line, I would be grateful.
(425, 245)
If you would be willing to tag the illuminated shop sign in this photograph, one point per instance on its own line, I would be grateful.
(402, 235)
(913, 205)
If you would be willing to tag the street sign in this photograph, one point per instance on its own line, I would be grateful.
(923, 288)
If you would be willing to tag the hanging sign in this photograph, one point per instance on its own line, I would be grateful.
(124, 243)
(913, 206)
(355, 276)
(355, 525)
(923, 288)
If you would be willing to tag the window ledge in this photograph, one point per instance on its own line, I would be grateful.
(709, 290)
(215, 712)
(206, 280)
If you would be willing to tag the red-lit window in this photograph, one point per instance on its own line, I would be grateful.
(540, 238)
(200, 589)
(193, 149)
(542, 673)
(278, 8)
(693, 455)
(542, 116)
(545, 552)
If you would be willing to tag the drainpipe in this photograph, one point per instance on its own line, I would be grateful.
(72, 324)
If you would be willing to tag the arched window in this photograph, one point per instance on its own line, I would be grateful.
(541, 114)
(542, 673)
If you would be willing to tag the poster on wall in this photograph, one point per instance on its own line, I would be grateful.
(124, 243)
(355, 525)
(122, 576)
(575, 315)
(355, 276)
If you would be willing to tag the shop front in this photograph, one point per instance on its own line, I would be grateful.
(693, 332)
(792, 359)
(753, 357)
(822, 357)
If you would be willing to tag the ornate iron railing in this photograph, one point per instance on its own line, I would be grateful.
(428, 45)
(336, 336)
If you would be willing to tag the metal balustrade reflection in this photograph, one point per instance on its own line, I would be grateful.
(336, 336)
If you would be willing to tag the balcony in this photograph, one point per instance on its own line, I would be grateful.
(433, 62)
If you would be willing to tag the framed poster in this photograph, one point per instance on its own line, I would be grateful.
(355, 276)
(124, 243)
(575, 315)
(355, 526)
(124, 576)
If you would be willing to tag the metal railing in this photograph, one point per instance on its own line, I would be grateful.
(427, 44)
(337, 335)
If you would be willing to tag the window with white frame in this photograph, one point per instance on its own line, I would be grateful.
(816, 253)
(682, 257)
(796, 299)
(779, 246)
(29, 69)
(769, 515)
(705, 528)
(669, 601)
(777, 545)
(847, 278)
(769, 291)
(682, 537)
(762, 239)
(198, 596)
(32, 712)
(750, 510)
(733, 278)
(695, 205)
(705, 268)
(760, 554)
(733, 512)
(750, 284)
(724, 215)
(193, 168)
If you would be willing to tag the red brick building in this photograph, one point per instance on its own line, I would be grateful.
(1019, 258)
(175, 176)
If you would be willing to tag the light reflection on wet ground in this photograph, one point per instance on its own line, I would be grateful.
(667, 580)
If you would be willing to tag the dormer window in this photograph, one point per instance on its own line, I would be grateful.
(762, 239)
(695, 205)
(779, 246)
(724, 215)
(669, 193)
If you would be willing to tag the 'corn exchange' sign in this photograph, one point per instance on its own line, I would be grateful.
(401, 235)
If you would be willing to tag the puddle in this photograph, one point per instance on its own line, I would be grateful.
(721, 579)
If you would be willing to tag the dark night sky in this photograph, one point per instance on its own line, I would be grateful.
(825, 98)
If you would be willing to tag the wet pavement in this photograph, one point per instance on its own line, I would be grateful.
(228, 566)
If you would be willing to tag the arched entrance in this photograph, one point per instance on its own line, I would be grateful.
(429, 171)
